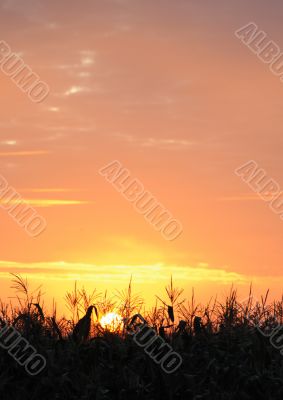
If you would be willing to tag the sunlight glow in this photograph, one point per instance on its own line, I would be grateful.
(111, 321)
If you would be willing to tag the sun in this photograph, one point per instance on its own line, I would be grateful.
(111, 321)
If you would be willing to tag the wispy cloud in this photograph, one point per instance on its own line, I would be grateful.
(49, 202)
(68, 128)
(166, 143)
(75, 90)
(49, 190)
(53, 109)
(8, 142)
(100, 273)
(161, 143)
(87, 58)
(23, 153)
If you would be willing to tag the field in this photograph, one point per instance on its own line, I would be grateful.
(227, 350)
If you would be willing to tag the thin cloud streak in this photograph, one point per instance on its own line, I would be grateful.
(49, 190)
(23, 153)
(49, 202)
(141, 273)
(162, 143)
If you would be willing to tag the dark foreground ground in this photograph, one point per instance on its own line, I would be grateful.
(229, 350)
(236, 363)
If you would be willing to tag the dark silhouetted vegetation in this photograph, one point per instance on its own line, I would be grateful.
(225, 356)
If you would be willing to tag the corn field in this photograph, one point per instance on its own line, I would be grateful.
(225, 347)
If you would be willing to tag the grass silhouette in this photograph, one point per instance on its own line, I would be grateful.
(226, 348)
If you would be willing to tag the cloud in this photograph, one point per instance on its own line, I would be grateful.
(41, 203)
(75, 90)
(68, 128)
(23, 153)
(61, 270)
(85, 61)
(161, 143)
(48, 190)
(166, 143)
(87, 58)
(8, 142)
(53, 109)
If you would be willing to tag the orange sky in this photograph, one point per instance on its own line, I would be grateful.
(167, 89)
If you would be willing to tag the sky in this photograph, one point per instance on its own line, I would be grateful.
(168, 90)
